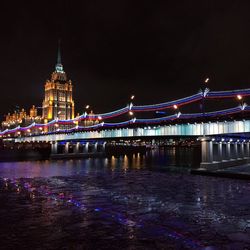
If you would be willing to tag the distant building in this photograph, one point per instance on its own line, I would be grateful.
(58, 101)
(89, 121)
(57, 104)
(21, 118)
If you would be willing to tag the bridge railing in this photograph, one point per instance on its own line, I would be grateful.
(72, 124)
(195, 129)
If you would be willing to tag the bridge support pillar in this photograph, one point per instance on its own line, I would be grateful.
(220, 153)
(76, 148)
(228, 151)
(242, 153)
(247, 150)
(66, 148)
(224, 151)
(54, 147)
(95, 147)
(206, 151)
(229, 154)
(86, 148)
(104, 147)
(236, 151)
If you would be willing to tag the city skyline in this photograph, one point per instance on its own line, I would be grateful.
(163, 53)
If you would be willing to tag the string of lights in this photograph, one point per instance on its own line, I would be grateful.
(228, 93)
(154, 107)
(105, 125)
(143, 108)
(160, 106)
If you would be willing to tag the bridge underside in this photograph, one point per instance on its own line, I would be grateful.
(225, 144)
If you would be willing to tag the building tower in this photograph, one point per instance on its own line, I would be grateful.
(58, 102)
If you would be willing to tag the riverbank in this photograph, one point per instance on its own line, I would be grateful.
(236, 172)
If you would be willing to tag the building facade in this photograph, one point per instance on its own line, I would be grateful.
(58, 101)
(21, 118)
(58, 104)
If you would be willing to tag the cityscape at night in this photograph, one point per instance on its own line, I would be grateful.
(125, 125)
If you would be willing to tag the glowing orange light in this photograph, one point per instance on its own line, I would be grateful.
(207, 79)
(99, 117)
(131, 113)
(175, 106)
(239, 97)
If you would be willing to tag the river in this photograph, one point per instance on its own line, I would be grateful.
(139, 202)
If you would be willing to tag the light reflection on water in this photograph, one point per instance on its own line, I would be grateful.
(155, 160)
(125, 202)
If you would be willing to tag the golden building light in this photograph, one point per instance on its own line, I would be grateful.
(58, 101)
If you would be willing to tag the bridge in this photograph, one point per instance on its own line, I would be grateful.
(224, 142)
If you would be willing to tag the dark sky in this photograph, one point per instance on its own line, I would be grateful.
(157, 50)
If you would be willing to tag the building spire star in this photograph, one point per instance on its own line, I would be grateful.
(59, 66)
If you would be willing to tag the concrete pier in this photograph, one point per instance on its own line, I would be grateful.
(76, 153)
(221, 154)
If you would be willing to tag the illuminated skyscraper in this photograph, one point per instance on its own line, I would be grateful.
(58, 101)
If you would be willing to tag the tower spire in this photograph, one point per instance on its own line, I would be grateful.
(59, 66)
(59, 59)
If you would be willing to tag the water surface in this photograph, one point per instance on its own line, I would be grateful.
(143, 202)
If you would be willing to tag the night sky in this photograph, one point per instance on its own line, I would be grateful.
(157, 50)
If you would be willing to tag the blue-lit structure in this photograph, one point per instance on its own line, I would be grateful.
(214, 134)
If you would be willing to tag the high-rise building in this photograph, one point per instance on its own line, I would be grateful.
(58, 101)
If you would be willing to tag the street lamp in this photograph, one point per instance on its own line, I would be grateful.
(239, 97)
(242, 104)
(86, 109)
(203, 89)
(175, 107)
(203, 103)
(132, 97)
